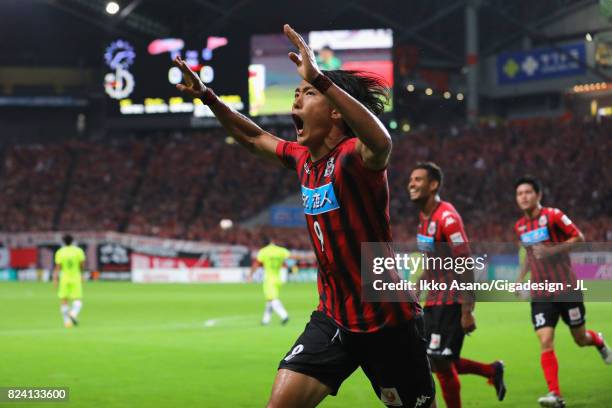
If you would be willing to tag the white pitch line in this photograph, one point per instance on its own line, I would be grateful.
(87, 329)
(208, 323)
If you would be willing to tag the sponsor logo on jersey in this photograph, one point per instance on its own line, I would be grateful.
(447, 352)
(319, 200)
(425, 243)
(446, 214)
(535, 236)
(457, 238)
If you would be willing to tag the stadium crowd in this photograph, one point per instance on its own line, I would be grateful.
(180, 185)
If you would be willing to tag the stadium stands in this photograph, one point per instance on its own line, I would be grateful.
(181, 185)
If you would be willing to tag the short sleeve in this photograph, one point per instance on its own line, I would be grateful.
(260, 256)
(563, 222)
(453, 231)
(58, 257)
(288, 153)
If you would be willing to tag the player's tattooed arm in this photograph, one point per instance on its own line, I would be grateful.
(246, 132)
(374, 144)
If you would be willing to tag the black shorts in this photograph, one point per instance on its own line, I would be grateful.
(546, 314)
(393, 359)
(443, 331)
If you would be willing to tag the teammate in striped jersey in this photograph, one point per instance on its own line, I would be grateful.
(341, 155)
(548, 235)
(448, 313)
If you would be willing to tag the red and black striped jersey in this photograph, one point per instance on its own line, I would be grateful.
(345, 204)
(442, 235)
(551, 225)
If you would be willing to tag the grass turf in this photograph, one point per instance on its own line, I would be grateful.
(202, 345)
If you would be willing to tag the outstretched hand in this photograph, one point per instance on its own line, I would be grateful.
(305, 62)
(193, 85)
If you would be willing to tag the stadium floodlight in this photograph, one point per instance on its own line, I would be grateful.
(447, 95)
(112, 7)
(429, 91)
(588, 37)
(459, 96)
(410, 88)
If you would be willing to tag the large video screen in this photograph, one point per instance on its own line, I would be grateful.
(273, 77)
(139, 78)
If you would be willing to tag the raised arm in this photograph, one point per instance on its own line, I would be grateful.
(246, 132)
(374, 144)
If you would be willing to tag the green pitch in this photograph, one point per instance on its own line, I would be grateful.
(202, 345)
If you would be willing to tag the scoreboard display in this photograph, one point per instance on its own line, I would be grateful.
(272, 76)
(140, 79)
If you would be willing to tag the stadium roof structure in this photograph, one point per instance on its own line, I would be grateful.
(436, 27)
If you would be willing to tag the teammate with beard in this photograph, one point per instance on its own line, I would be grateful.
(448, 313)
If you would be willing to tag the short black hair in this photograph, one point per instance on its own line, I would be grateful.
(368, 88)
(434, 172)
(67, 239)
(531, 180)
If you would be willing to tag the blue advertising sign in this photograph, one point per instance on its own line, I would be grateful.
(287, 216)
(541, 63)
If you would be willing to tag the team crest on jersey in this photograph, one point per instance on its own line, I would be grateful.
(522, 228)
(543, 220)
(329, 167)
(431, 229)
(306, 168)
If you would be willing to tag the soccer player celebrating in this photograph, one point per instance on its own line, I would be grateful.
(448, 314)
(548, 234)
(340, 157)
(272, 257)
(70, 261)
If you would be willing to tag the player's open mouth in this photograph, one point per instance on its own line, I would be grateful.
(299, 124)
